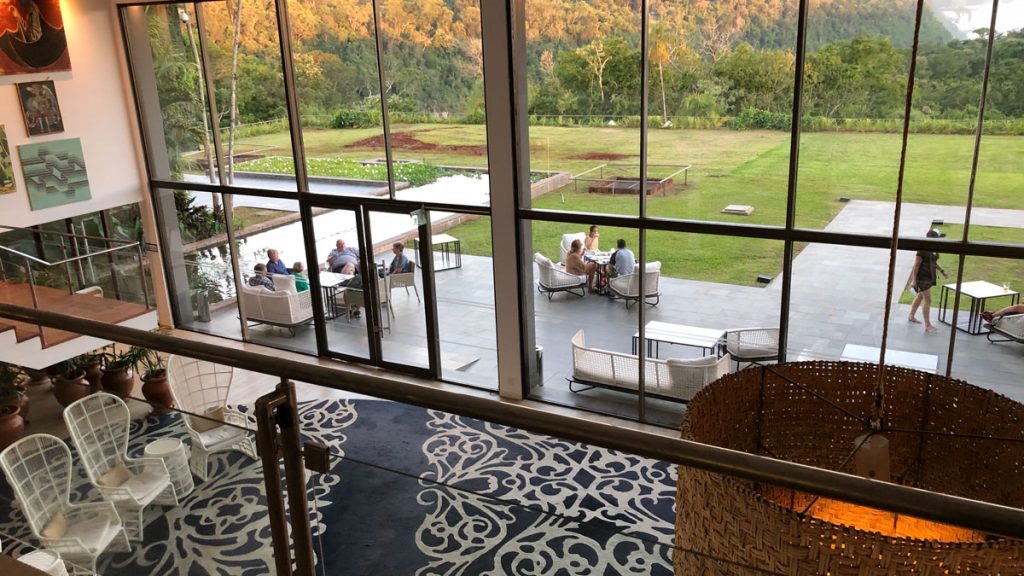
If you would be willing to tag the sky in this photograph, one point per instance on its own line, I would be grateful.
(969, 15)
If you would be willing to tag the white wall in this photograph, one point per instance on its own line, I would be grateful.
(95, 100)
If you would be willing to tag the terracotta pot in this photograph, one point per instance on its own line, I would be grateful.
(158, 392)
(67, 390)
(94, 374)
(12, 426)
(20, 401)
(119, 382)
(37, 377)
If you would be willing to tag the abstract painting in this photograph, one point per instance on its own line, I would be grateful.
(54, 173)
(32, 37)
(39, 107)
(6, 170)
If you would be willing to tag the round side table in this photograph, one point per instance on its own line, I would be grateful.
(45, 561)
(175, 457)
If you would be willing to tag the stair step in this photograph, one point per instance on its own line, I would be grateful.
(54, 300)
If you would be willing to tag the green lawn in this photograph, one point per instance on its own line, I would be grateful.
(727, 167)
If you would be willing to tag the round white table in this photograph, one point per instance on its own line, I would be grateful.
(45, 561)
(172, 451)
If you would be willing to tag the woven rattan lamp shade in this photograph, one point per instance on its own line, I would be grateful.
(759, 411)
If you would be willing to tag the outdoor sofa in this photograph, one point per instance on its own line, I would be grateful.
(675, 380)
(282, 306)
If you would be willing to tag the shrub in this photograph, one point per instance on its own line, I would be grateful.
(352, 118)
(755, 118)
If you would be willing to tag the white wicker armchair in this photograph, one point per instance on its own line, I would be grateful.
(38, 467)
(201, 388)
(567, 243)
(628, 287)
(553, 278)
(406, 279)
(98, 425)
(752, 345)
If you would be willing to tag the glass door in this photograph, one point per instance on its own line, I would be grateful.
(375, 307)
(401, 311)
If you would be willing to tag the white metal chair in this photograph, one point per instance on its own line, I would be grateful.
(38, 467)
(567, 244)
(628, 287)
(405, 279)
(98, 425)
(752, 345)
(201, 388)
(552, 278)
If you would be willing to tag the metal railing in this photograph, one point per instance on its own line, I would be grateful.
(75, 250)
(981, 516)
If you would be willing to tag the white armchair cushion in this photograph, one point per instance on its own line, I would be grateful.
(567, 242)
(653, 266)
(284, 283)
(542, 260)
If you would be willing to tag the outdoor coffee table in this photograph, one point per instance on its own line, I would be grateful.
(175, 457)
(330, 283)
(913, 360)
(979, 292)
(709, 340)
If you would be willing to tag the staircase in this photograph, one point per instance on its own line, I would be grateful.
(25, 345)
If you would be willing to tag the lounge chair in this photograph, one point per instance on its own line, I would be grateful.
(1007, 329)
(553, 278)
(628, 287)
(752, 345)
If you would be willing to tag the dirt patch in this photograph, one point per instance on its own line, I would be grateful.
(599, 156)
(409, 141)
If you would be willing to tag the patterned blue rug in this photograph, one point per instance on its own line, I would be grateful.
(418, 492)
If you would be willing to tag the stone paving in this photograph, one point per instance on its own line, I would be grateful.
(838, 298)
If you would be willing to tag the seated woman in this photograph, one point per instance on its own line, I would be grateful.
(592, 242)
(301, 280)
(991, 317)
(574, 264)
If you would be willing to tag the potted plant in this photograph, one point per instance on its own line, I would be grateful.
(69, 383)
(11, 389)
(154, 382)
(119, 371)
(92, 363)
(12, 426)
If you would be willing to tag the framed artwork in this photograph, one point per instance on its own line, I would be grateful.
(6, 170)
(32, 37)
(39, 107)
(54, 173)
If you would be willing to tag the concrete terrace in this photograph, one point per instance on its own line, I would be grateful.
(838, 297)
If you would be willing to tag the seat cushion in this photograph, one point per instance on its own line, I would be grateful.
(220, 435)
(56, 527)
(703, 362)
(115, 477)
(146, 486)
(95, 533)
(214, 419)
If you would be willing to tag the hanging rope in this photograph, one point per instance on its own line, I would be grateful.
(879, 406)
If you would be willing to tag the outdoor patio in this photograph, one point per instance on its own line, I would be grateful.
(837, 300)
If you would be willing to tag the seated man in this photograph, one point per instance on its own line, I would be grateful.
(343, 259)
(274, 264)
(991, 317)
(301, 281)
(261, 278)
(400, 261)
(623, 259)
(354, 283)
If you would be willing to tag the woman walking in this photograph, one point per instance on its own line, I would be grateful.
(922, 277)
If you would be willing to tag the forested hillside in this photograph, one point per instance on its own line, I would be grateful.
(708, 59)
